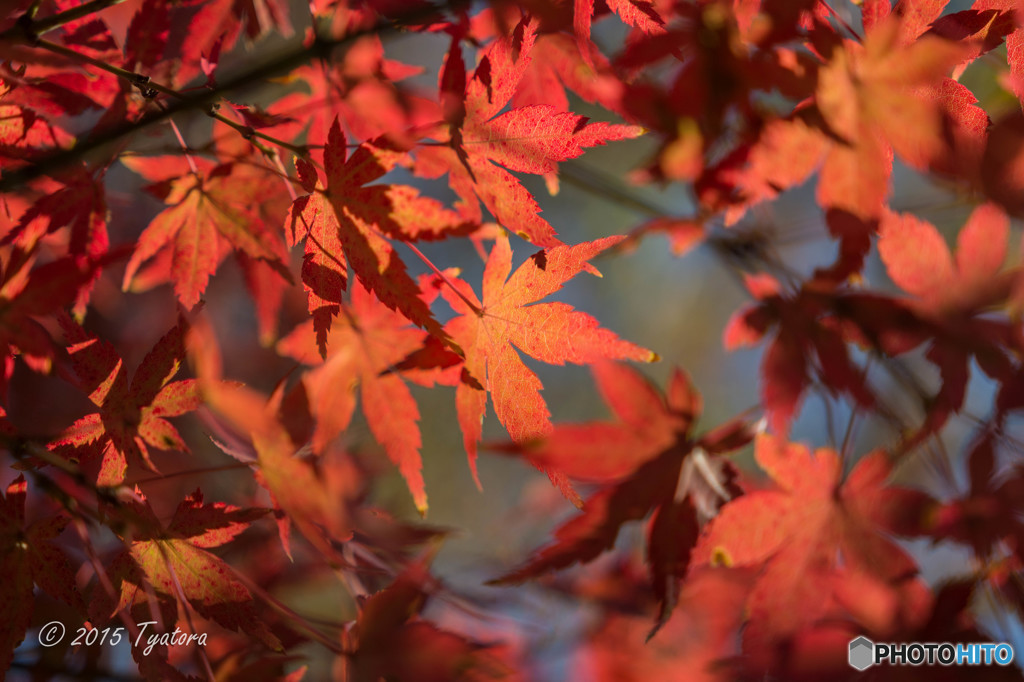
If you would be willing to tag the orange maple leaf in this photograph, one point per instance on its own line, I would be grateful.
(487, 330)
(487, 143)
(172, 563)
(366, 342)
(131, 415)
(349, 223)
(884, 92)
(210, 211)
(807, 528)
(918, 260)
(314, 496)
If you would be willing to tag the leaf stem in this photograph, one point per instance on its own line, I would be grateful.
(102, 579)
(248, 132)
(842, 22)
(186, 610)
(297, 621)
(181, 141)
(444, 278)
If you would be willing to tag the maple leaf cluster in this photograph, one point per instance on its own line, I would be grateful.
(170, 168)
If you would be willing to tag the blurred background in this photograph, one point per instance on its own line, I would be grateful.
(676, 306)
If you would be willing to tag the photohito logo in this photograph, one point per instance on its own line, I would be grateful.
(864, 653)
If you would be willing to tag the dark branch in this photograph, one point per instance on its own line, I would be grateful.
(320, 48)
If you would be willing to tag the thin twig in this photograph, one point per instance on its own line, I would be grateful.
(188, 472)
(248, 132)
(142, 82)
(50, 23)
(319, 48)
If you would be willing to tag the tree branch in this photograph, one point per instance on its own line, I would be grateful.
(28, 26)
(319, 48)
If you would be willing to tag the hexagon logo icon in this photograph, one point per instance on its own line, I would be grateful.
(862, 653)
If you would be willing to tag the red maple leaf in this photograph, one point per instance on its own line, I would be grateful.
(479, 150)
(918, 260)
(804, 332)
(173, 563)
(131, 415)
(364, 91)
(646, 460)
(151, 48)
(807, 527)
(987, 25)
(208, 215)
(950, 297)
(56, 94)
(349, 223)
(26, 293)
(555, 63)
(365, 343)
(641, 14)
(889, 93)
(80, 206)
(29, 558)
(878, 94)
(25, 135)
(390, 640)
(694, 645)
(983, 517)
